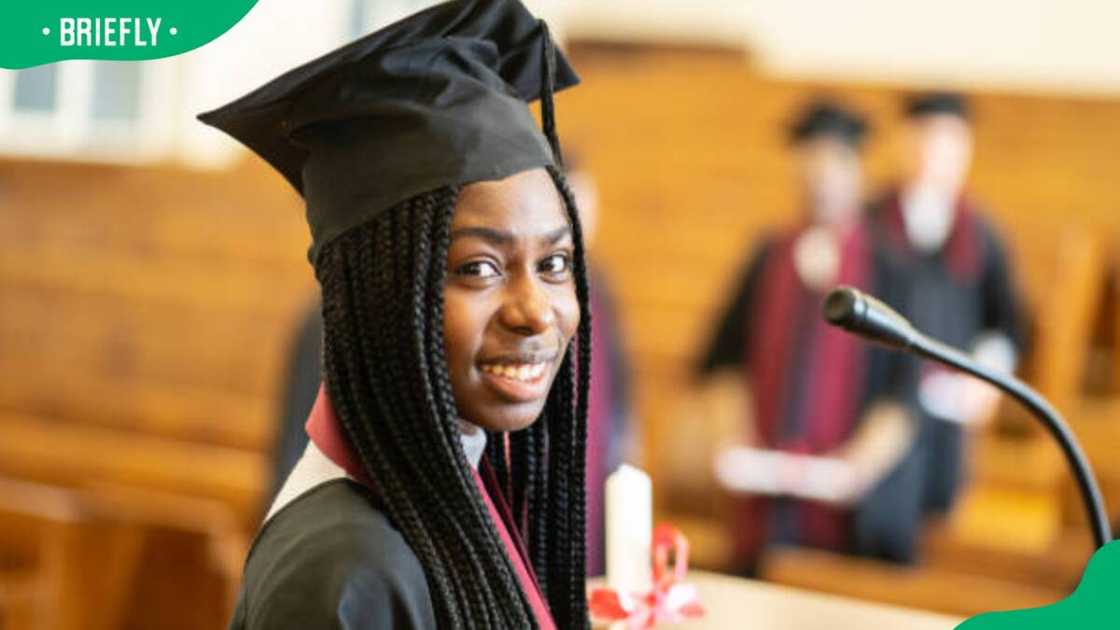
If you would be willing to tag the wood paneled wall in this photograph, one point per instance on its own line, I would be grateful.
(147, 299)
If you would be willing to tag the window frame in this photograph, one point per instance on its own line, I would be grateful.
(70, 131)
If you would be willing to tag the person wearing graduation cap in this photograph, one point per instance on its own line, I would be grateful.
(818, 459)
(948, 272)
(443, 482)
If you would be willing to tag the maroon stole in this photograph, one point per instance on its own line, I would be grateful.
(325, 431)
(805, 372)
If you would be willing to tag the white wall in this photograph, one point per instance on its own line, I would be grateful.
(1061, 46)
(1058, 46)
(275, 36)
(1029, 45)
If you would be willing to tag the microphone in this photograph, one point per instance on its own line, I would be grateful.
(867, 317)
(863, 315)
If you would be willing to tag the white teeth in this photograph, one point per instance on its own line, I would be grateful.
(519, 372)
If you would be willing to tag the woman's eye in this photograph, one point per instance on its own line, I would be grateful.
(556, 264)
(478, 269)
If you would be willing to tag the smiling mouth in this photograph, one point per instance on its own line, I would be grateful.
(517, 380)
(521, 372)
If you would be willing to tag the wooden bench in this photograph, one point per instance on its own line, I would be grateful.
(76, 553)
(78, 455)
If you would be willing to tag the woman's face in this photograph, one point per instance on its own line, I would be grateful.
(510, 304)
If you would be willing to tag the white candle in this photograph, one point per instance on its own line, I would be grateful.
(629, 507)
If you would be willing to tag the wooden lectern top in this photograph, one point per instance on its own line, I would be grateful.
(734, 603)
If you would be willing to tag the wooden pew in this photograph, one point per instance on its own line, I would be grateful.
(78, 455)
(78, 551)
(75, 571)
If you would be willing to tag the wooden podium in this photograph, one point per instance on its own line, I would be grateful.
(733, 603)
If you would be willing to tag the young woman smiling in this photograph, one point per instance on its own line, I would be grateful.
(443, 485)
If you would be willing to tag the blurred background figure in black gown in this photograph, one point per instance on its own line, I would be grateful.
(948, 272)
(822, 445)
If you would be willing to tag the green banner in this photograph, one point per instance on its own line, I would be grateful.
(34, 32)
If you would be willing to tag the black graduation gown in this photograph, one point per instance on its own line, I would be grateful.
(951, 301)
(332, 559)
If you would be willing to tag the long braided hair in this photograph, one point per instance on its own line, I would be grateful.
(387, 377)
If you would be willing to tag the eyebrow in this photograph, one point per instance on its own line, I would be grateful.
(501, 237)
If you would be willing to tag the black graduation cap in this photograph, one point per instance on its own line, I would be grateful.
(929, 103)
(824, 117)
(439, 98)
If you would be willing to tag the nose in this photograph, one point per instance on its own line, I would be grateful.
(527, 309)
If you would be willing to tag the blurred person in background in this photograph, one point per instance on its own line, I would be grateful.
(302, 375)
(947, 271)
(611, 436)
(822, 456)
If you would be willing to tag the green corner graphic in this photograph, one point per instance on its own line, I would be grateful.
(34, 32)
(1093, 605)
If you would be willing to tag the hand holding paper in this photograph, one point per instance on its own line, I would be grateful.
(749, 470)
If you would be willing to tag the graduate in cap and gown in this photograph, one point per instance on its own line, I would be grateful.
(820, 460)
(443, 484)
(611, 435)
(946, 269)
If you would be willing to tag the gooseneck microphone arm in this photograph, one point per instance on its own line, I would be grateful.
(867, 317)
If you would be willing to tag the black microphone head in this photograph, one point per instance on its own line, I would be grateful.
(840, 306)
(867, 317)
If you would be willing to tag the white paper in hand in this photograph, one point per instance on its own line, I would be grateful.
(747, 470)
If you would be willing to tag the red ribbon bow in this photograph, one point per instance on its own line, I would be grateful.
(670, 600)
